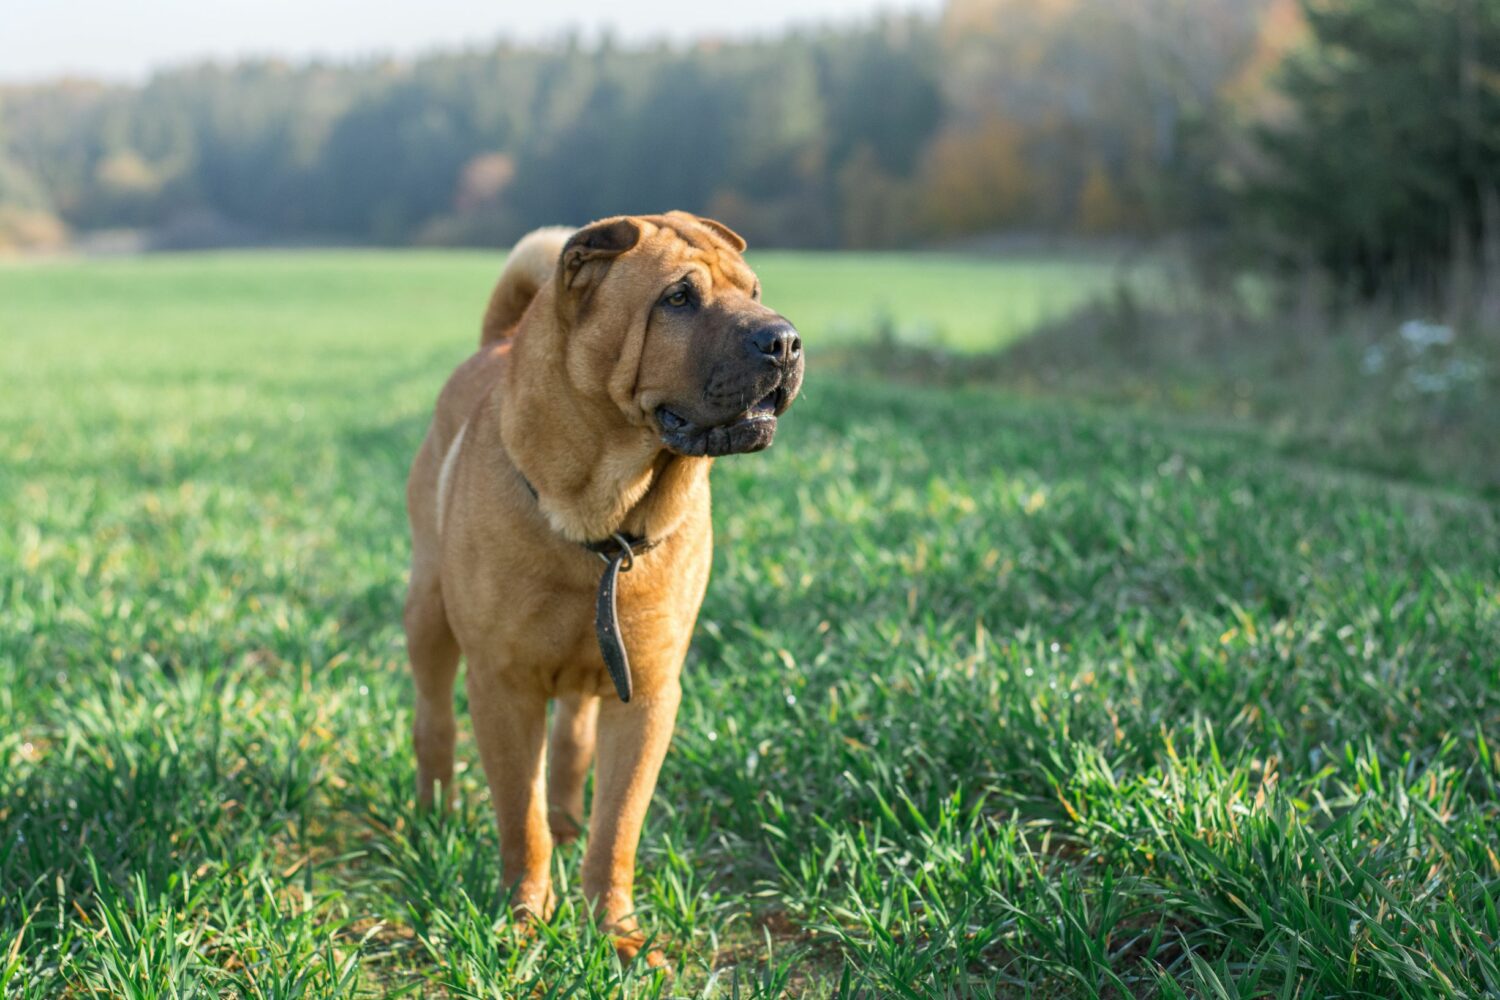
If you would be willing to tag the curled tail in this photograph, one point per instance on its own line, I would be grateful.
(530, 264)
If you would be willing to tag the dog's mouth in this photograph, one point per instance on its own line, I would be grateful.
(751, 429)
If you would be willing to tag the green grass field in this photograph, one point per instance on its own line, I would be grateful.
(990, 697)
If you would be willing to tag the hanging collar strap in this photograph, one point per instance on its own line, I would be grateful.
(618, 552)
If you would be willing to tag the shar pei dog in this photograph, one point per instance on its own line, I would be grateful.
(561, 539)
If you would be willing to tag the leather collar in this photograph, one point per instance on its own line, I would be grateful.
(618, 543)
(618, 552)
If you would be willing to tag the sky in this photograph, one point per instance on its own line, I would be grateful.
(126, 39)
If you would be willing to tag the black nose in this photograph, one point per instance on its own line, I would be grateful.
(780, 343)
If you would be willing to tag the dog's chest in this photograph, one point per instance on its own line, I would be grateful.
(536, 625)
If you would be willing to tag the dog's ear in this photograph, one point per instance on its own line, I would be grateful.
(735, 240)
(728, 235)
(597, 241)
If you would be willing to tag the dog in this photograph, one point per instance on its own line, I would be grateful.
(561, 538)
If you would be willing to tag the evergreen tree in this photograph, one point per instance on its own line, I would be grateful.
(1384, 167)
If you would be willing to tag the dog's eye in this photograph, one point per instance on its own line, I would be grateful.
(678, 297)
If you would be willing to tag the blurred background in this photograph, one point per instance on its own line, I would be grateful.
(1118, 613)
(970, 120)
(1222, 205)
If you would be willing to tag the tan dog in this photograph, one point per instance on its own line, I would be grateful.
(614, 363)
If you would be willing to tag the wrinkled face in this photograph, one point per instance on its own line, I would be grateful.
(710, 369)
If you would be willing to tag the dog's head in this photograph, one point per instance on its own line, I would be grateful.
(664, 311)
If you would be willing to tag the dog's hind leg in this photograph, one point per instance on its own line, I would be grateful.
(434, 664)
(570, 752)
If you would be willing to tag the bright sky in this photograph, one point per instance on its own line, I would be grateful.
(124, 39)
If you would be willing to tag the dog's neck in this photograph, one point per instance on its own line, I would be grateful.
(594, 473)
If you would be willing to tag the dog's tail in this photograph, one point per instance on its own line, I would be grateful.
(530, 264)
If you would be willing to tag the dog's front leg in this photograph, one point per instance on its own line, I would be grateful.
(510, 725)
(632, 740)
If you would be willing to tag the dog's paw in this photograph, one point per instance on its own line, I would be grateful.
(521, 929)
(565, 829)
(628, 947)
(532, 903)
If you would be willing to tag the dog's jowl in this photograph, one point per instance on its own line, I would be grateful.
(560, 528)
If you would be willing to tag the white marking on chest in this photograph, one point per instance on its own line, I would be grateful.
(446, 473)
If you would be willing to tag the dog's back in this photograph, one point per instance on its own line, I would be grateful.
(527, 268)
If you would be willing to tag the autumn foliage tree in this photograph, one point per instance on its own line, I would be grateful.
(977, 179)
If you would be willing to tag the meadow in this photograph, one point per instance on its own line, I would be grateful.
(991, 696)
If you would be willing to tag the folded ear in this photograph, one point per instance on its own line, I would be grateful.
(728, 235)
(734, 239)
(597, 241)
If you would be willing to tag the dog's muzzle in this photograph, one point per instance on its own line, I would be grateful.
(752, 429)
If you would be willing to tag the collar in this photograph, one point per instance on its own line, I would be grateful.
(619, 544)
(618, 552)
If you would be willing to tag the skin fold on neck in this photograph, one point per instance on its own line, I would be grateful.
(611, 474)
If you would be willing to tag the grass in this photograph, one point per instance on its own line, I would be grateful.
(990, 696)
(1388, 390)
(963, 303)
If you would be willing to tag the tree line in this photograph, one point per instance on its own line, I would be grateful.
(1330, 130)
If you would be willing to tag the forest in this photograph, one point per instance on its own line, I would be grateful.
(1360, 135)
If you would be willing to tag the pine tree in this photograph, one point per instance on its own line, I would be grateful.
(1383, 170)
